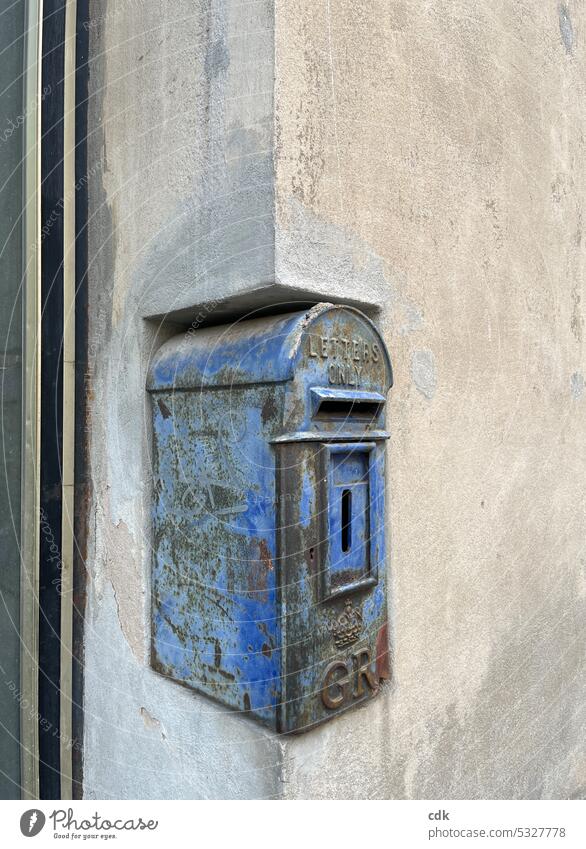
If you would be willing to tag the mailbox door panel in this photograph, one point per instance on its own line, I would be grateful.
(335, 648)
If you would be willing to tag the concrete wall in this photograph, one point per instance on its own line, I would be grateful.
(428, 157)
(181, 188)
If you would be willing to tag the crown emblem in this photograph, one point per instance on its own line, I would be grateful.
(347, 627)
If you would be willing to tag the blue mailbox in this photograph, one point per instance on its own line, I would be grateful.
(268, 577)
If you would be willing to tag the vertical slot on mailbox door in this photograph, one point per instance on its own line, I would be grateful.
(346, 519)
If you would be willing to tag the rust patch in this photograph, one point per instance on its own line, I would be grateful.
(266, 650)
(165, 411)
(263, 629)
(256, 581)
(269, 410)
(383, 659)
(265, 555)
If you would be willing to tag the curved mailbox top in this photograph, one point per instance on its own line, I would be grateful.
(334, 347)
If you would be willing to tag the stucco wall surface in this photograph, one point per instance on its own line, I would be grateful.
(181, 185)
(443, 143)
(426, 156)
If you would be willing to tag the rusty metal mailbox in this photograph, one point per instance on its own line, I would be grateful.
(269, 579)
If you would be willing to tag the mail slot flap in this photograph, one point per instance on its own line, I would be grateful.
(342, 402)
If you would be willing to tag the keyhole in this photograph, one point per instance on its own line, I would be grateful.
(346, 519)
